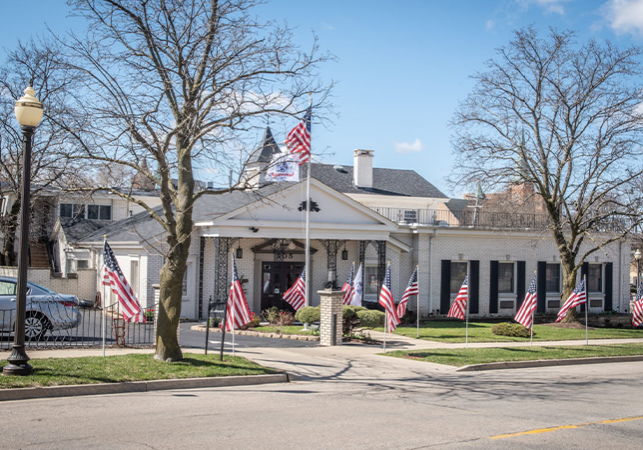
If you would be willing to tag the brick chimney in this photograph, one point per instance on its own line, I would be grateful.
(363, 168)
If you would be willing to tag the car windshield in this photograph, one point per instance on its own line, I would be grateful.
(42, 288)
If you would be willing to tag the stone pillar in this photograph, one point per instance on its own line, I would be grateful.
(330, 319)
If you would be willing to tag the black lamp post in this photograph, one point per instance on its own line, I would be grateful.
(28, 112)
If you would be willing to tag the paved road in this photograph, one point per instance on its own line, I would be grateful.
(350, 398)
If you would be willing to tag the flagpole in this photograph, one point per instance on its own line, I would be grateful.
(104, 302)
(586, 309)
(466, 326)
(232, 312)
(385, 329)
(417, 299)
(307, 203)
(531, 329)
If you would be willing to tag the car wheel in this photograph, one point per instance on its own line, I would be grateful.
(35, 327)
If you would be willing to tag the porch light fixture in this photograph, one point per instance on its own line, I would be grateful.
(239, 254)
(344, 253)
(637, 257)
(28, 113)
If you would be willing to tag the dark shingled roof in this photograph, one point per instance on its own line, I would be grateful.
(394, 182)
(77, 228)
(398, 182)
(265, 151)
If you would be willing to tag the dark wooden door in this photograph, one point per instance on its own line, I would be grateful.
(276, 279)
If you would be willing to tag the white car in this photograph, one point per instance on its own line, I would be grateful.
(46, 310)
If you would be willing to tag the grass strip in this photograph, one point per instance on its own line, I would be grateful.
(463, 357)
(445, 331)
(122, 368)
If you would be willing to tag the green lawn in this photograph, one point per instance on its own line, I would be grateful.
(464, 357)
(446, 331)
(116, 369)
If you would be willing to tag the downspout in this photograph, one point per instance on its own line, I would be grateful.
(620, 276)
(431, 236)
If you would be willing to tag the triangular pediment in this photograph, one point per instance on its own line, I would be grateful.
(285, 208)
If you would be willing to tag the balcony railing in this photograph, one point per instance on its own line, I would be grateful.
(467, 219)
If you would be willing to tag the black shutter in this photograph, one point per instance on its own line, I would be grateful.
(445, 286)
(608, 285)
(474, 286)
(541, 285)
(493, 287)
(520, 288)
(584, 272)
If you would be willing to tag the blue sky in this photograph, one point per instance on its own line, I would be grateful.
(402, 68)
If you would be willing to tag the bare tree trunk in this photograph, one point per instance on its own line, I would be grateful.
(8, 257)
(568, 284)
(171, 290)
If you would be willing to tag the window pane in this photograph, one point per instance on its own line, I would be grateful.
(458, 273)
(552, 278)
(595, 278)
(79, 211)
(370, 280)
(105, 212)
(82, 264)
(92, 211)
(66, 210)
(505, 278)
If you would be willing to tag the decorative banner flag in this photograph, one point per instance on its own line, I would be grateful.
(525, 315)
(296, 295)
(411, 289)
(459, 305)
(298, 140)
(387, 301)
(577, 297)
(114, 278)
(358, 288)
(238, 313)
(283, 167)
(347, 289)
(637, 311)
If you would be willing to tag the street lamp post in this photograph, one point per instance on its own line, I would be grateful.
(637, 257)
(28, 112)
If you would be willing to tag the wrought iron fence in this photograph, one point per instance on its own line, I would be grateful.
(51, 324)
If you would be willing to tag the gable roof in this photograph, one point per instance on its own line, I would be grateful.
(394, 182)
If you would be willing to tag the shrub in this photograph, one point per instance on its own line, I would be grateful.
(270, 315)
(285, 318)
(371, 318)
(308, 314)
(510, 329)
(214, 322)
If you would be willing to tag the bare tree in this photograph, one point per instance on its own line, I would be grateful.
(36, 62)
(174, 83)
(566, 118)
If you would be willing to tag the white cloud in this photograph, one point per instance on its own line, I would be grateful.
(404, 147)
(328, 26)
(624, 16)
(490, 25)
(550, 6)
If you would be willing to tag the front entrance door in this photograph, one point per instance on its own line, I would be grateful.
(276, 279)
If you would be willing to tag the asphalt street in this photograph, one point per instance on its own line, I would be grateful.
(349, 397)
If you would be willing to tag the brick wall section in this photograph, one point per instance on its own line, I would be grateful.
(330, 306)
(84, 286)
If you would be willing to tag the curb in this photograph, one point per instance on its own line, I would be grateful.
(139, 386)
(548, 362)
(294, 337)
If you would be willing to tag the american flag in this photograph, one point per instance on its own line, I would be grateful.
(411, 289)
(387, 301)
(113, 277)
(298, 140)
(525, 315)
(577, 297)
(347, 289)
(296, 295)
(459, 305)
(637, 311)
(237, 311)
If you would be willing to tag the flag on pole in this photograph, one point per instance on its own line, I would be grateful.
(411, 289)
(298, 140)
(459, 305)
(637, 311)
(237, 311)
(358, 288)
(113, 277)
(387, 301)
(577, 297)
(283, 167)
(525, 315)
(296, 295)
(347, 289)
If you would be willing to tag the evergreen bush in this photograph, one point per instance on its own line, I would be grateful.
(510, 329)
